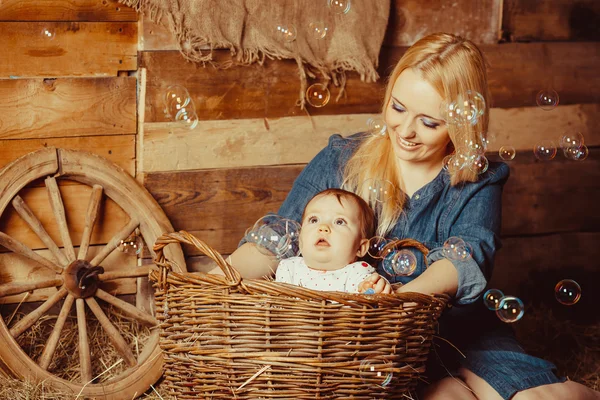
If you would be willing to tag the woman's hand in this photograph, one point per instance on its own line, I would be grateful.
(376, 282)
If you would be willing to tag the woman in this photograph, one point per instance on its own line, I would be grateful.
(431, 205)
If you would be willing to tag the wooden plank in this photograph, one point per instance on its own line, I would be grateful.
(555, 256)
(296, 140)
(65, 10)
(551, 196)
(540, 20)
(517, 72)
(118, 149)
(45, 108)
(476, 20)
(75, 198)
(15, 268)
(155, 36)
(219, 205)
(77, 48)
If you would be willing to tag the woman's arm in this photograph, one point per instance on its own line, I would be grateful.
(250, 262)
(440, 277)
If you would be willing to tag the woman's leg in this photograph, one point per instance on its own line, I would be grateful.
(558, 391)
(448, 389)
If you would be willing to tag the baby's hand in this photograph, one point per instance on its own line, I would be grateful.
(375, 282)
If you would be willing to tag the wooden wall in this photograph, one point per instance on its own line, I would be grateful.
(80, 89)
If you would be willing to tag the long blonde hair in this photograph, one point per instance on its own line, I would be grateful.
(453, 66)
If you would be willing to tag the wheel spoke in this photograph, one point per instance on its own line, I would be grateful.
(17, 247)
(127, 308)
(125, 273)
(36, 225)
(115, 241)
(90, 220)
(30, 319)
(50, 347)
(115, 337)
(58, 209)
(11, 288)
(85, 360)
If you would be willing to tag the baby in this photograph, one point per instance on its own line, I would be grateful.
(336, 225)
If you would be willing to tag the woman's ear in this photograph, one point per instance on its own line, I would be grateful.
(363, 247)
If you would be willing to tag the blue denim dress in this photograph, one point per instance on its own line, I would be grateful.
(437, 211)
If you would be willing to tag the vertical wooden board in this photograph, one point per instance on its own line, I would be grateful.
(118, 149)
(541, 20)
(476, 20)
(219, 205)
(560, 195)
(44, 108)
(49, 49)
(65, 10)
(16, 268)
(75, 198)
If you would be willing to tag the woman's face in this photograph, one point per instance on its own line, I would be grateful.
(414, 120)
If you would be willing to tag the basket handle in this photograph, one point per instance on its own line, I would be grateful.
(232, 275)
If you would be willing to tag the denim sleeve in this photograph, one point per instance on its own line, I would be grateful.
(322, 172)
(478, 224)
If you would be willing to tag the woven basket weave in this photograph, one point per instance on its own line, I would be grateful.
(225, 337)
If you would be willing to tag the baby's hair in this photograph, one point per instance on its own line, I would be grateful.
(367, 216)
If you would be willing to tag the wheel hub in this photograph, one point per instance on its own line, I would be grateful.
(81, 278)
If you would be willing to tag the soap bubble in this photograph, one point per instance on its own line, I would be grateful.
(400, 263)
(275, 235)
(318, 29)
(48, 33)
(339, 6)
(476, 147)
(376, 244)
(567, 292)
(376, 371)
(175, 98)
(317, 95)
(133, 245)
(468, 107)
(376, 126)
(544, 150)
(379, 191)
(286, 33)
(576, 153)
(492, 299)
(456, 249)
(455, 162)
(547, 99)
(510, 310)
(569, 140)
(479, 164)
(188, 117)
(507, 153)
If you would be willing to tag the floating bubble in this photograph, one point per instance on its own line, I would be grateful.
(376, 245)
(286, 33)
(486, 139)
(456, 162)
(492, 299)
(576, 153)
(570, 140)
(400, 263)
(474, 146)
(467, 108)
(510, 310)
(133, 245)
(48, 33)
(275, 235)
(507, 153)
(567, 292)
(188, 117)
(376, 126)
(456, 249)
(339, 6)
(376, 371)
(545, 150)
(175, 98)
(379, 191)
(317, 95)
(547, 99)
(318, 29)
(479, 164)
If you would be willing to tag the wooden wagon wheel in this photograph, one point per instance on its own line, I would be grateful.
(73, 282)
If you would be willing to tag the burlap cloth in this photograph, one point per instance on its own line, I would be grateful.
(248, 28)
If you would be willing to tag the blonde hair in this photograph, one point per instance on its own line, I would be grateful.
(453, 66)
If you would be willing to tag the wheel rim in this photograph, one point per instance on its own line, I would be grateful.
(80, 283)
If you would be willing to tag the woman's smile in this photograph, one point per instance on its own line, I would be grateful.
(409, 146)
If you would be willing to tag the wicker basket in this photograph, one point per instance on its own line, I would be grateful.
(225, 337)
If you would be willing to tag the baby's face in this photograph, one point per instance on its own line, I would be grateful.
(330, 235)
